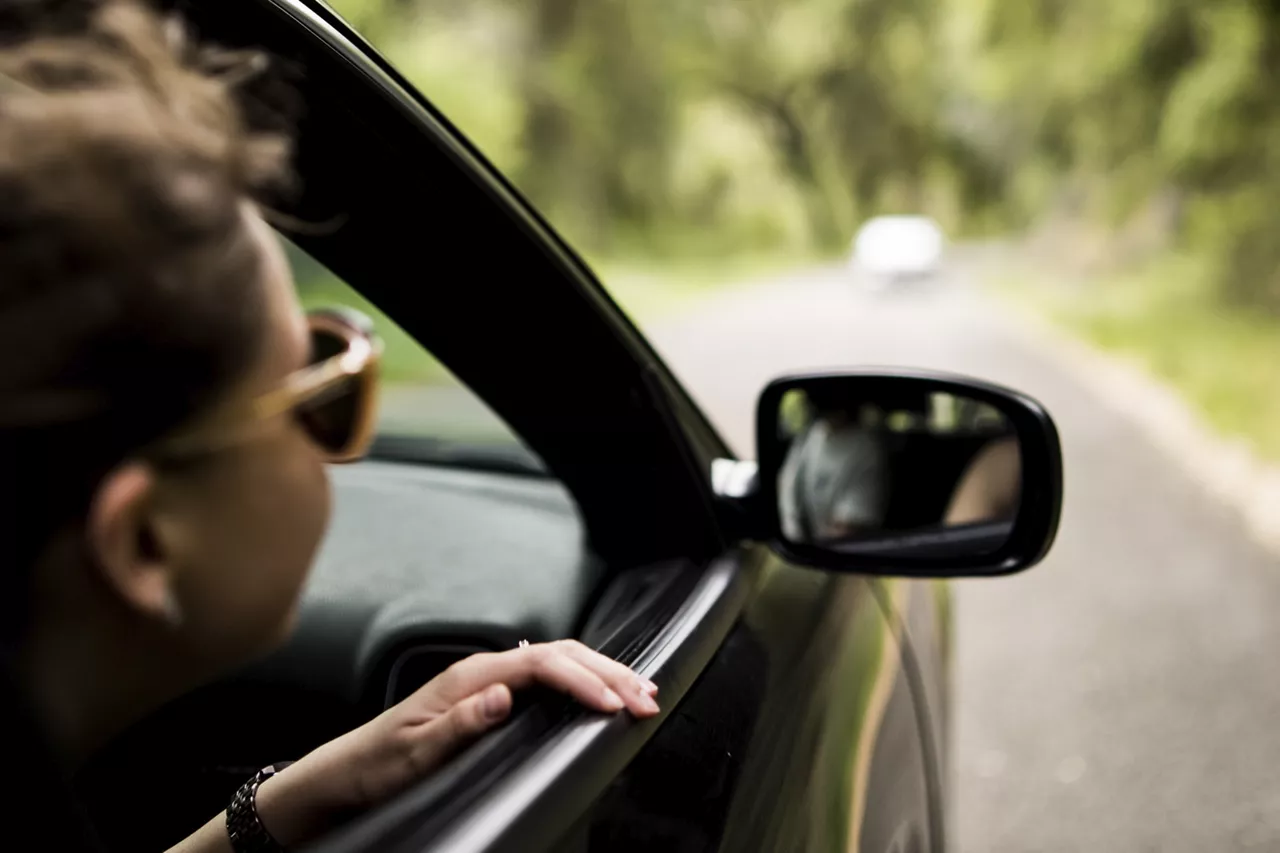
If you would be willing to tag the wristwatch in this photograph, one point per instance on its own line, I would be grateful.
(245, 830)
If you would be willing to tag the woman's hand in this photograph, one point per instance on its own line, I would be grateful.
(405, 743)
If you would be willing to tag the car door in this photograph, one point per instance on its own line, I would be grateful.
(789, 719)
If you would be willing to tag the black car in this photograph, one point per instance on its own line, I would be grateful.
(804, 692)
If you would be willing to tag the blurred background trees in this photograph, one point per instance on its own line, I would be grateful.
(671, 129)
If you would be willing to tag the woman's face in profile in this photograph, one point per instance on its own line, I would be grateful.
(254, 512)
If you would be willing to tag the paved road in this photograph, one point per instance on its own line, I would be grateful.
(1123, 696)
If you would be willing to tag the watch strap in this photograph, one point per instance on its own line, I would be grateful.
(244, 828)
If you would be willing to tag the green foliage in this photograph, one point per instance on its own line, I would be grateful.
(698, 130)
(1167, 316)
(711, 129)
(1147, 99)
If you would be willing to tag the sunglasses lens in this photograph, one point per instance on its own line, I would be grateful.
(332, 418)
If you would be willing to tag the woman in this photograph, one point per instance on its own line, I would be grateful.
(165, 432)
(836, 480)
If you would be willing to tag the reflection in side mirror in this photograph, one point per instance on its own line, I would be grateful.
(858, 472)
(885, 472)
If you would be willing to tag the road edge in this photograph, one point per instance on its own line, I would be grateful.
(1226, 468)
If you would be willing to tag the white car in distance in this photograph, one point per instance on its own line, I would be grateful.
(893, 249)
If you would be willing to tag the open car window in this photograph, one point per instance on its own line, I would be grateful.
(425, 414)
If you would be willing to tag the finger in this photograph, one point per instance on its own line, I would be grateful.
(545, 663)
(635, 690)
(435, 741)
(516, 668)
(553, 668)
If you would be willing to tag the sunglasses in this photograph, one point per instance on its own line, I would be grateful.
(333, 399)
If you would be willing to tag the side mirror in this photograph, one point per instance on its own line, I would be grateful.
(905, 474)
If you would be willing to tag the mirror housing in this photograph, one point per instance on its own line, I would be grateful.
(895, 447)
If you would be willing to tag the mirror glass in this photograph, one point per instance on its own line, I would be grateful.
(876, 468)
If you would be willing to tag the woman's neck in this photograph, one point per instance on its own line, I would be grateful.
(88, 669)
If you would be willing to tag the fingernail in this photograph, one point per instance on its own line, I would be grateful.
(648, 686)
(495, 704)
(648, 705)
(611, 701)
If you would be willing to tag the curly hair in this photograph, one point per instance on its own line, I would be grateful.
(130, 293)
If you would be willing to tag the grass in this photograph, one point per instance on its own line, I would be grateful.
(1224, 359)
(652, 291)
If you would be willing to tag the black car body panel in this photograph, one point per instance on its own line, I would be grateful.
(801, 734)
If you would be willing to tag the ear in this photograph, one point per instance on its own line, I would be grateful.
(125, 542)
